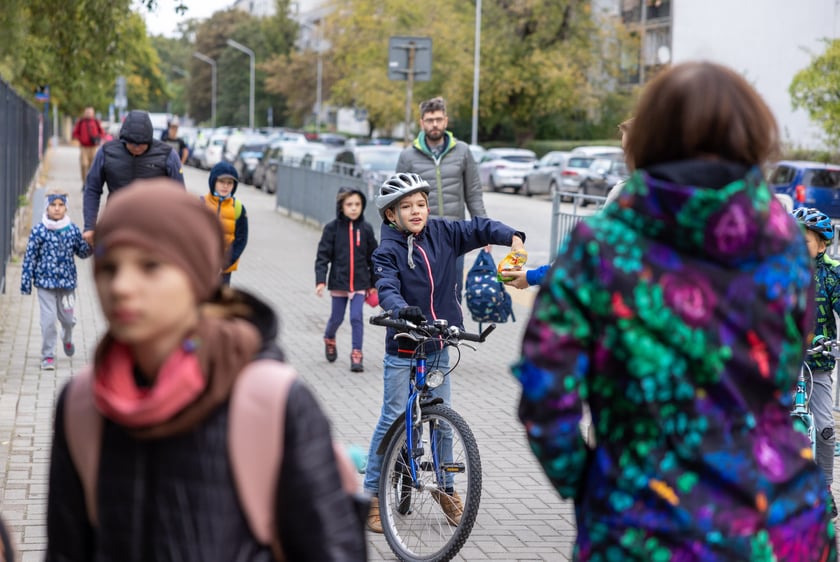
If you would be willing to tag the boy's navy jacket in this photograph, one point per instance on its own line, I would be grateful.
(345, 249)
(430, 284)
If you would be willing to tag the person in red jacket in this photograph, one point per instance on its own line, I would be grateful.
(88, 133)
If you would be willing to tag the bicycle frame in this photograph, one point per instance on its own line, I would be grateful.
(417, 389)
(802, 396)
(801, 408)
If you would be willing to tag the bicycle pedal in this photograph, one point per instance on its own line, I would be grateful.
(454, 467)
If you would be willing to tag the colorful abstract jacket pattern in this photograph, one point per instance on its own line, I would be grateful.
(679, 315)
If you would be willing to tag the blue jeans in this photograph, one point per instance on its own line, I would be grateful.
(396, 376)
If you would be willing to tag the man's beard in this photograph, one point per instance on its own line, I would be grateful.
(434, 135)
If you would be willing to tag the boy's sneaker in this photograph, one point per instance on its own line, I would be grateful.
(451, 504)
(48, 364)
(356, 361)
(69, 349)
(330, 350)
(832, 505)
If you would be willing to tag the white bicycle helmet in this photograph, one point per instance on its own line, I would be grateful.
(396, 187)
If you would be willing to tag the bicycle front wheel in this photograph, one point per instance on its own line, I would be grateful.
(430, 518)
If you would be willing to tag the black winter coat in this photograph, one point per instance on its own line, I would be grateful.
(173, 499)
(346, 250)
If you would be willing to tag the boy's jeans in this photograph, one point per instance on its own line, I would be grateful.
(396, 376)
(822, 409)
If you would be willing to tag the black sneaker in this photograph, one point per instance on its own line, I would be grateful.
(833, 505)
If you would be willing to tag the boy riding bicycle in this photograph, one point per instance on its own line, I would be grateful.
(819, 234)
(416, 276)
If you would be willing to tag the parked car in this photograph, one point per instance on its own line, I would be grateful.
(505, 167)
(577, 166)
(808, 184)
(546, 175)
(332, 139)
(248, 158)
(477, 152)
(320, 157)
(213, 151)
(599, 151)
(265, 173)
(603, 173)
(372, 162)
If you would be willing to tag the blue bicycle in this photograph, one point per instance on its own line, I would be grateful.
(804, 386)
(430, 486)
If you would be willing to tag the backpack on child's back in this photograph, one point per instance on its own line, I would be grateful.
(487, 299)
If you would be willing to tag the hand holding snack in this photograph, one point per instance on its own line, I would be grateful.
(514, 261)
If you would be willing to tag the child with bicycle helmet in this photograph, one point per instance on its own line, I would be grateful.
(416, 276)
(819, 234)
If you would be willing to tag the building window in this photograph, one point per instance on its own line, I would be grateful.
(631, 11)
(657, 9)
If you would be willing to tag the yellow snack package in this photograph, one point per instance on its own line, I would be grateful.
(511, 262)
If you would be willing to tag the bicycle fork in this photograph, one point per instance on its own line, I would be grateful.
(800, 410)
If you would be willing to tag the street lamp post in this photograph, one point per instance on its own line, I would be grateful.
(212, 63)
(250, 53)
(476, 66)
(319, 70)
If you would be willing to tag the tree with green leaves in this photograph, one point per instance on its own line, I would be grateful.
(537, 61)
(266, 37)
(78, 49)
(816, 89)
(358, 32)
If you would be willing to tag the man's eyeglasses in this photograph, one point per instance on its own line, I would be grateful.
(434, 120)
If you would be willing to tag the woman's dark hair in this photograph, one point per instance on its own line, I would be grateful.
(701, 110)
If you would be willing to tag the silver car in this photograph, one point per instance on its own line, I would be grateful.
(505, 167)
(546, 176)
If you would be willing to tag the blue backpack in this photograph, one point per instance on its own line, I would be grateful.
(487, 299)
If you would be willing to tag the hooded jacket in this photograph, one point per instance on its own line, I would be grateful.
(827, 289)
(679, 315)
(231, 213)
(116, 166)
(172, 498)
(428, 279)
(346, 250)
(453, 177)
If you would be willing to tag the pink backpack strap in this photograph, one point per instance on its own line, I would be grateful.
(83, 431)
(257, 416)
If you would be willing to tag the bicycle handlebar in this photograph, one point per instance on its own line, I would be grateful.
(439, 328)
(830, 348)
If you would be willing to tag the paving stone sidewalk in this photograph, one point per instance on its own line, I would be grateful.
(520, 518)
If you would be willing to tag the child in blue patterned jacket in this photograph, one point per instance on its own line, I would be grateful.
(50, 266)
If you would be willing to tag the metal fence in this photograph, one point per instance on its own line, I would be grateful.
(310, 194)
(565, 217)
(22, 134)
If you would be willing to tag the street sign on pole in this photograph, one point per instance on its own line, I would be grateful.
(409, 59)
(400, 49)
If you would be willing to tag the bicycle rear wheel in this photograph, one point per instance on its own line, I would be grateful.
(420, 519)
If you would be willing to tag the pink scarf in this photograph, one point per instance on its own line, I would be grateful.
(179, 382)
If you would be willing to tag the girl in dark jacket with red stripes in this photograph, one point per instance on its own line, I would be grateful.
(346, 250)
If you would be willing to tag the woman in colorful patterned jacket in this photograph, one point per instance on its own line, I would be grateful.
(679, 316)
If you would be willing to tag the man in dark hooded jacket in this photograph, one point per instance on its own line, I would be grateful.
(136, 154)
